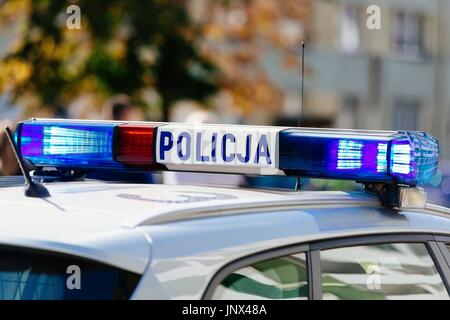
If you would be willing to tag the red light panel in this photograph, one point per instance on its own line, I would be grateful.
(134, 145)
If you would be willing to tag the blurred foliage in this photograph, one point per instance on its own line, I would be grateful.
(240, 37)
(122, 47)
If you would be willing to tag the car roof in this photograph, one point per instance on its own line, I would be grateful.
(131, 205)
(123, 224)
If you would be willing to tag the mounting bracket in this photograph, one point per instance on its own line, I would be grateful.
(398, 196)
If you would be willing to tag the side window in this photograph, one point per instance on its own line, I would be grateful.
(37, 275)
(278, 278)
(381, 271)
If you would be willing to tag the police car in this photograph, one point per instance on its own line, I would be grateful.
(68, 237)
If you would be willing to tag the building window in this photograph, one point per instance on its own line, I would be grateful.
(350, 28)
(406, 114)
(409, 34)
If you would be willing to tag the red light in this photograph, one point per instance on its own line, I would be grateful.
(134, 145)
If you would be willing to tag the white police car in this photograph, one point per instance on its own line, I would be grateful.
(87, 239)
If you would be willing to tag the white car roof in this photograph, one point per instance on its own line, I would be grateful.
(96, 205)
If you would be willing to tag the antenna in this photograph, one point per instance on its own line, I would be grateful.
(33, 189)
(298, 185)
(303, 81)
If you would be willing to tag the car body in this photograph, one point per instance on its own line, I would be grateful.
(182, 240)
(69, 237)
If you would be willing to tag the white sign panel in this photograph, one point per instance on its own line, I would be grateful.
(218, 148)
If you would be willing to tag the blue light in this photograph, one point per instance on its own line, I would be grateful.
(409, 158)
(414, 157)
(59, 141)
(382, 157)
(401, 159)
(349, 155)
(70, 144)
(322, 156)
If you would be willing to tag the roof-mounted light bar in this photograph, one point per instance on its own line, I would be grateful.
(400, 157)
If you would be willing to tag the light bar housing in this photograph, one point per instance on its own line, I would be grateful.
(398, 157)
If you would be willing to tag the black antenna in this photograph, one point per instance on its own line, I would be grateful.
(303, 80)
(33, 189)
(298, 185)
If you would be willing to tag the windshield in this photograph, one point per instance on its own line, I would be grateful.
(43, 276)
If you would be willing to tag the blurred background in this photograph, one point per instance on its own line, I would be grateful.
(231, 61)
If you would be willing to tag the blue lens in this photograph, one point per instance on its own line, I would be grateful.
(406, 157)
(414, 158)
(69, 144)
(332, 157)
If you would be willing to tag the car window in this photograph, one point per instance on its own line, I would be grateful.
(36, 276)
(278, 278)
(381, 271)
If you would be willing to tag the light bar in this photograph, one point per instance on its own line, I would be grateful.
(401, 157)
